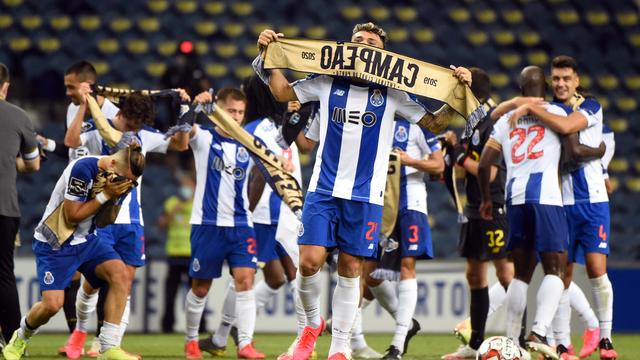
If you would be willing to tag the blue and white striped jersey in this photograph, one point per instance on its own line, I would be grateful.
(267, 210)
(356, 122)
(108, 109)
(532, 154)
(74, 184)
(417, 143)
(586, 184)
(150, 140)
(610, 142)
(221, 187)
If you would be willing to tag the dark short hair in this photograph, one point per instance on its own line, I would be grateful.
(564, 61)
(83, 70)
(4, 73)
(138, 109)
(228, 92)
(372, 28)
(136, 160)
(480, 84)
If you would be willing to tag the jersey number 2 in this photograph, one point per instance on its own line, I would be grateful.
(522, 136)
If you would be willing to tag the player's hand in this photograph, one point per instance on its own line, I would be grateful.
(450, 137)
(84, 90)
(293, 106)
(266, 37)
(113, 189)
(405, 159)
(42, 140)
(184, 96)
(462, 73)
(486, 210)
(204, 97)
(287, 164)
(517, 114)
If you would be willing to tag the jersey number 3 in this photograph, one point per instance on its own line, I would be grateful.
(522, 136)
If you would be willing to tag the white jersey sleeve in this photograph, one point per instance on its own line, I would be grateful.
(153, 140)
(92, 140)
(408, 106)
(313, 132)
(592, 110)
(309, 89)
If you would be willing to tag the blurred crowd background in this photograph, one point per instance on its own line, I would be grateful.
(201, 44)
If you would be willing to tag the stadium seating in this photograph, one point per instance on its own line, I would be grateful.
(136, 42)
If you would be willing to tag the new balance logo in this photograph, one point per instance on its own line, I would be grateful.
(370, 246)
(413, 247)
(603, 245)
(339, 92)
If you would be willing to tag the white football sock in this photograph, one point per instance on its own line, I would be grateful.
(24, 332)
(194, 307)
(516, 302)
(125, 320)
(497, 296)
(85, 306)
(547, 299)
(221, 335)
(551, 341)
(407, 298)
(357, 337)
(603, 298)
(264, 294)
(109, 335)
(301, 316)
(346, 298)
(309, 289)
(385, 293)
(245, 316)
(581, 305)
(561, 323)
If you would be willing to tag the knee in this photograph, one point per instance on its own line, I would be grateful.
(407, 272)
(309, 266)
(505, 276)
(118, 278)
(474, 279)
(275, 282)
(243, 283)
(52, 305)
(200, 289)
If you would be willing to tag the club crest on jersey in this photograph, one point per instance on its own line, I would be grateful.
(300, 230)
(48, 278)
(401, 134)
(196, 265)
(376, 98)
(475, 138)
(242, 155)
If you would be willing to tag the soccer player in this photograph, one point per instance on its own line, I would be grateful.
(584, 193)
(72, 209)
(419, 153)
(343, 206)
(126, 235)
(221, 225)
(481, 241)
(537, 221)
(264, 205)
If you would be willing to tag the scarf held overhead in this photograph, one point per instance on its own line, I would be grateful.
(341, 58)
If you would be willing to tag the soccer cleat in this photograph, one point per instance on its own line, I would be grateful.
(564, 353)
(209, 346)
(415, 327)
(15, 348)
(307, 341)
(539, 344)
(392, 353)
(570, 349)
(192, 350)
(606, 350)
(75, 344)
(463, 331)
(463, 352)
(94, 349)
(365, 353)
(249, 352)
(590, 340)
(339, 356)
(525, 354)
(116, 353)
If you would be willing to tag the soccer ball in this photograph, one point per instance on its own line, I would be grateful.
(499, 348)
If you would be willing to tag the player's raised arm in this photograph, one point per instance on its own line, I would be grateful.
(72, 136)
(572, 123)
(512, 104)
(278, 84)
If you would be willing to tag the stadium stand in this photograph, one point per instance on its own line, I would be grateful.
(135, 44)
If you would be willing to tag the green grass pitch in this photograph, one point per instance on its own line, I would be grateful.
(423, 346)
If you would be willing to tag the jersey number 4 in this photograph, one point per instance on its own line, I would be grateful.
(522, 136)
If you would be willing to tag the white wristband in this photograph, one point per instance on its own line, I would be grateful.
(102, 198)
(50, 146)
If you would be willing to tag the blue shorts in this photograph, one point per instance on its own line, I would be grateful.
(127, 240)
(415, 234)
(588, 230)
(56, 267)
(536, 226)
(269, 248)
(211, 245)
(351, 226)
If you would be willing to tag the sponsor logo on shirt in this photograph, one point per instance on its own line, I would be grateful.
(78, 187)
(356, 117)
